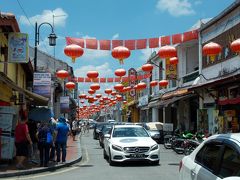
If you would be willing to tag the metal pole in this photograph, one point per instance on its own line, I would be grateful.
(35, 49)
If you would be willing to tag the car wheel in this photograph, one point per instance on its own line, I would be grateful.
(104, 154)
(155, 163)
(111, 163)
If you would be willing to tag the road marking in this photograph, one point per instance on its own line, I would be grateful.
(61, 171)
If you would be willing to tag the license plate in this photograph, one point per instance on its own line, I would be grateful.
(136, 155)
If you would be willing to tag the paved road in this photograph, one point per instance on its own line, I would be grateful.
(94, 167)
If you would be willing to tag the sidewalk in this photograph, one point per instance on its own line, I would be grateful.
(74, 155)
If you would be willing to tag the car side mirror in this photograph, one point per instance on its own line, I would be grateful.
(107, 136)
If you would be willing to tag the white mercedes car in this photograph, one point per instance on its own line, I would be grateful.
(130, 143)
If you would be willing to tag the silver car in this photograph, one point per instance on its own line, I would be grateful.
(130, 143)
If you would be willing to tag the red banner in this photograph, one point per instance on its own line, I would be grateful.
(153, 42)
(109, 79)
(116, 43)
(176, 38)
(190, 35)
(141, 44)
(80, 79)
(105, 44)
(78, 41)
(165, 40)
(102, 80)
(91, 44)
(130, 44)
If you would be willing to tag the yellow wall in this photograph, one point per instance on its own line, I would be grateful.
(14, 71)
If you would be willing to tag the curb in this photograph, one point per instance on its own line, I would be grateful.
(39, 170)
(42, 169)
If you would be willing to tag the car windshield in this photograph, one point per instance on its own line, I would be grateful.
(106, 128)
(130, 132)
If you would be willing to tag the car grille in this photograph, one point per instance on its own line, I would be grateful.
(136, 149)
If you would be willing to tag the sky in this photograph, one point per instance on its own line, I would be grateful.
(108, 19)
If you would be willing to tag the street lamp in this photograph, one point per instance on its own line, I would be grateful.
(52, 40)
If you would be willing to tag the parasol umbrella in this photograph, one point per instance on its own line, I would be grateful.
(40, 114)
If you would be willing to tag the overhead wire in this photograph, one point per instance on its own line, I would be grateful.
(24, 12)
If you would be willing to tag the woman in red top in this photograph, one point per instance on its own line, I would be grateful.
(22, 139)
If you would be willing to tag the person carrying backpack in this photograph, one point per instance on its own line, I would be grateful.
(45, 141)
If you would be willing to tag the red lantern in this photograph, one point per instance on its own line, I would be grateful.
(120, 53)
(120, 72)
(124, 102)
(92, 75)
(98, 95)
(167, 52)
(113, 93)
(95, 87)
(108, 91)
(235, 46)
(90, 91)
(62, 74)
(163, 83)
(82, 101)
(147, 67)
(153, 83)
(70, 85)
(173, 60)
(211, 49)
(74, 51)
(82, 96)
(141, 86)
(118, 87)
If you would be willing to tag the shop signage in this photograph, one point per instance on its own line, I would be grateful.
(18, 48)
(132, 73)
(42, 84)
(64, 104)
(171, 70)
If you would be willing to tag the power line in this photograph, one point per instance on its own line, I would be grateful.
(24, 12)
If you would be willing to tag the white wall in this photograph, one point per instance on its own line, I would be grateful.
(228, 65)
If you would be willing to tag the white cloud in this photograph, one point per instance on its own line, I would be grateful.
(115, 36)
(104, 70)
(197, 2)
(146, 53)
(60, 17)
(176, 7)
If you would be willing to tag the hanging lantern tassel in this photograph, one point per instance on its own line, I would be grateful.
(212, 57)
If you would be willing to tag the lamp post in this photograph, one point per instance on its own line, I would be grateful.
(52, 40)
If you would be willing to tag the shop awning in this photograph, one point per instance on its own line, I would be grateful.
(38, 99)
(153, 103)
(217, 82)
(168, 102)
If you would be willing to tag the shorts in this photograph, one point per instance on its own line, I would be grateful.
(21, 149)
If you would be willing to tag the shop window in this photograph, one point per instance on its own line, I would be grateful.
(230, 165)
(233, 92)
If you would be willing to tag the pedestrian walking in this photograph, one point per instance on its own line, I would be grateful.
(45, 141)
(74, 129)
(62, 132)
(88, 126)
(53, 125)
(22, 140)
(32, 126)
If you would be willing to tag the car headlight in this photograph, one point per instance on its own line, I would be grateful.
(117, 148)
(154, 147)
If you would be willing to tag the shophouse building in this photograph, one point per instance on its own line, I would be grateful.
(218, 85)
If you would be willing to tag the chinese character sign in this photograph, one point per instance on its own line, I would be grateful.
(171, 70)
(18, 48)
(64, 104)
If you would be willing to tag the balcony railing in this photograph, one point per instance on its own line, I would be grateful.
(190, 77)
